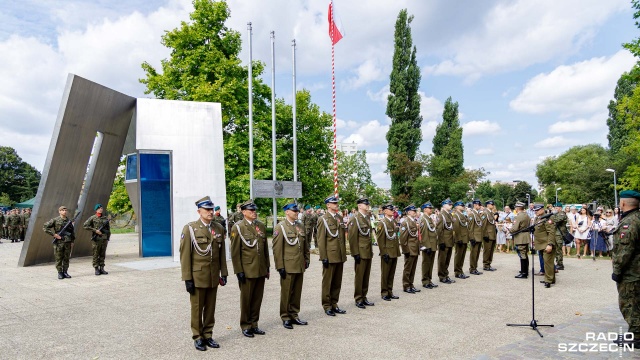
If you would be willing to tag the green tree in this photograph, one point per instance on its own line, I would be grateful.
(485, 190)
(519, 193)
(629, 108)
(403, 108)
(618, 134)
(119, 202)
(634, 45)
(354, 177)
(18, 179)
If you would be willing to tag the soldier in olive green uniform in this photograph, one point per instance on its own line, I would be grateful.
(101, 232)
(250, 255)
(14, 226)
(291, 257)
(522, 239)
(3, 226)
(476, 228)
(428, 245)
(203, 265)
(461, 239)
(560, 221)
(444, 229)
(63, 241)
(234, 218)
(310, 221)
(410, 245)
(333, 254)
(626, 261)
(544, 239)
(219, 218)
(387, 235)
(26, 216)
(489, 235)
(360, 246)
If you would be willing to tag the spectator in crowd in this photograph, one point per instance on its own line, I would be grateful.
(501, 238)
(616, 212)
(612, 223)
(598, 226)
(508, 223)
(509, 214)
(530, 211)
(581, 230)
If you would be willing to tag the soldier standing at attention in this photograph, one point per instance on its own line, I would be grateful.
(521, 240)
(14, 226)
(360, 245)
(101, 231)
(25, 221)
(234, 217)
(217, 217)
(489, 235)
(309, 225)
(203, 265)
(291, 257)
(476, 222)
(429, 244)
(626, 262)
(560, 221)
(461, 234)
(387, 236)
(544, 239)
(63, 241)
(333, 254)
(250, 256)
(410, 244)
(444, 229)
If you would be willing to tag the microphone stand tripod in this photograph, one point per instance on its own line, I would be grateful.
(534, 323)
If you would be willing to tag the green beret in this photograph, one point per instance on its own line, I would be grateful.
(307, 207)
(98, 206)
(629, 194)
(558, 204)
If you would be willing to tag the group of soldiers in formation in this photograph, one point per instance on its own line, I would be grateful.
(13, 224)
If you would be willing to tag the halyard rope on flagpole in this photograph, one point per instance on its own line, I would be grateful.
(335, 127)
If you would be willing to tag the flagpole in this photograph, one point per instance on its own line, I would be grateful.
(273, 121)
(335, 126)
(295, 129)
(250, 80)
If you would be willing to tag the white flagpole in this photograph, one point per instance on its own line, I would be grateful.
(250, 80)
(273, 121)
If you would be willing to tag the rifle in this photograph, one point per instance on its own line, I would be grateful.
(95, 235)
(62, 233)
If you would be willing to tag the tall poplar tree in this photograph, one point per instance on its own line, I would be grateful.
(403, 107)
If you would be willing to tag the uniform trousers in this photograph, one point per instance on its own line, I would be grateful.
(251, 292)
(474, 256)
(629, 303)
(409, 273)
(487, 256)
(62, 252)
(361, 283)
(559, 245)
(290, 293)
(444, 259)
(99, 247)
(387, 272)
(427, 266)
(549, 269)
(331, 284)
(458, 260)
(203, 310)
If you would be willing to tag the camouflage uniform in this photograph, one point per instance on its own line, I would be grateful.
(62, 247)
(26, 216)
(560, 221)
(98, 242)
(310, 220)
(14, 226)
(234, 218)
(626, 266)
(220, 220)
(3, 226)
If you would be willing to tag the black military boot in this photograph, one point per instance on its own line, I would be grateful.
(66, 275)
(102, 271)
(60, 275)
(97, 270)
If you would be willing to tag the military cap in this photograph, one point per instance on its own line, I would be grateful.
(307, 207)
(558, 204)
(629, 194)
(98, 206)
(387, 207)
(248, 205)
(477, 201)
(489, 202)
(331, 199)
(537, 207)
(205, 203)
(426, 205)
(519, 204)
(59, 209)
(292, 207)
(458, 203)
(362, 200)
(216, 208)
(447, 201)
(410, 208)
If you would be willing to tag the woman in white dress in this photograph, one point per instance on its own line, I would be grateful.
(501, 239)
(581, 231)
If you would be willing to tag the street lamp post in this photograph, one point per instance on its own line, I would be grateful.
(615, 186)
(558, 189)
(528, 199)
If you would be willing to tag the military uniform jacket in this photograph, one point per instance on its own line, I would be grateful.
(13, 221)
(409, 237)
(544, 234)
(25, 219)
(221, 220)
(249, 249)
(626, 247)
(290, 248)
(234, 218)
(521, 221)
(387, 236)
(429, 238)
(360, 236)
(490, 230)
(95, 223)
(476, 225)
(206, 263)
(56, 224)
(444, 228)
(560, 221)
(331, 238)
(460, 227)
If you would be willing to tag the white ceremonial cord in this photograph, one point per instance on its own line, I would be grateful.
(444, 222)
(490, 218)
(432, 229)
(329, 231)
(359, 229)
(409, 231)
(386, 230)
(284, 233)
(196, 247)
(460, 220)
(475, 218)
(244, 240)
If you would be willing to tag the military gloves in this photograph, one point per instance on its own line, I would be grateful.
(222, 281)
(441, 247)
(241, 277)
(485, 238)
(386, 258)
(427, 251)
(459, 243)
(325, 263)
(473, 243)
(615, 277)
(283, 274)
(406, 255)
(306, 264)
(356, 257)
(191, 287)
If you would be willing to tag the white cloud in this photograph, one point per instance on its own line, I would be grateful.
(597, 122)
(485, 151)
(581, 88)
(430, 108)
(554, 142)
(371, 133)
(377, 159)
(366, 73)
(380, 95)
(480, 127)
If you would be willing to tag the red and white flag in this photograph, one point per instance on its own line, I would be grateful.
(336, 32)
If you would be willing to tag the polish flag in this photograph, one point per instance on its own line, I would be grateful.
(336, 33)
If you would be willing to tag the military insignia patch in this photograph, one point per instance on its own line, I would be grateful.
(275, 233)
(182, 236)
(403, 229)
(625, 227)
(621, 235)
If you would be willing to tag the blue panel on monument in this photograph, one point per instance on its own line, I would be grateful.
(131, 172)
(155, 204)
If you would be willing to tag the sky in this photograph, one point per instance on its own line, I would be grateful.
(532, 77)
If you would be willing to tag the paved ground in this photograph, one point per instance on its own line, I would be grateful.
(141, 310)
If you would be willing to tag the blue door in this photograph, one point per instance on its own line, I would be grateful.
(155, 204)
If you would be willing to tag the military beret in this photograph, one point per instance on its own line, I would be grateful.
(205, 203)
(387, 207)
(458, 203)
(447, 201)
(363, 200)
(292, 207)
(331, 199)
(626, 194)
(216, 208)
(426, 205)
(489, 202)
(519, 204)
(537, 207)
(477, 201)
(558, 204)
(248, 205)
(410, 208)
(307, 207)
(98, 206)
(59, 209)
